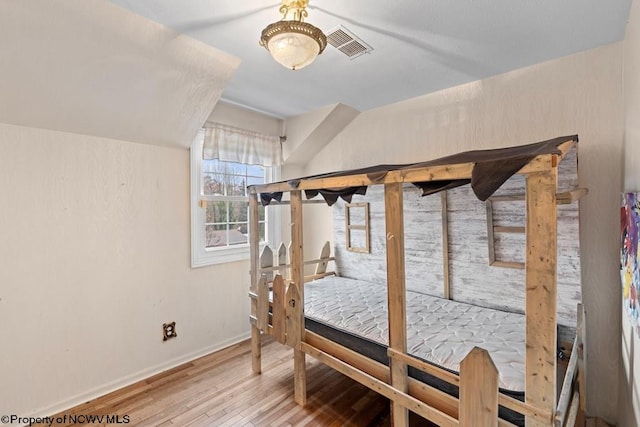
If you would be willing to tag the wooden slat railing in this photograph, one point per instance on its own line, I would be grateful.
(279, 309)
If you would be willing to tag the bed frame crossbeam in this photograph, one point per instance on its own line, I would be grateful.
(287, 266)
(428, 395)
(402, 399)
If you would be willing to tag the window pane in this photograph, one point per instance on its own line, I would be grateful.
(236, 185)
(212, 183)
(216, 235)
(261, 211)
(238, 212)
(255, 170)
(216, 212)
(213, 177)
(358, 239)
(242, 227)
(253, 180)
(238, 234)
(357, 215)
(214, 165)
(236, 168)
(262, 232)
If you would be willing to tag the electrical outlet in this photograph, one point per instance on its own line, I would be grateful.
(169, 331)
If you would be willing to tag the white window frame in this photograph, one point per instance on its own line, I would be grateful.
(202, 256)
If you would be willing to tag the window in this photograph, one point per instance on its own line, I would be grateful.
(356, 216)
(220, 208)
(506, 231)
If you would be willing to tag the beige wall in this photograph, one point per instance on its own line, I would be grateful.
(629, 395)
(234, 115)
(94, 259)
(577, 94)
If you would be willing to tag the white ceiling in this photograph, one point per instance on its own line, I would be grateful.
(420, 46)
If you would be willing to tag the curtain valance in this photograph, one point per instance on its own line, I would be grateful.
(232, 144)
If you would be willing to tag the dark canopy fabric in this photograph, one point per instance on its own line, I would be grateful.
(490, 170)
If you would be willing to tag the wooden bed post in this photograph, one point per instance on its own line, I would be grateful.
(541, 290)
(254, 243)
(297, 276)
(445, 244)
(393, 197)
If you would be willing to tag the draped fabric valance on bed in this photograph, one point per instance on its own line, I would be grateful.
(491, 168)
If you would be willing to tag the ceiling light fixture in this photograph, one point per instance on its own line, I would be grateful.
(291, 41)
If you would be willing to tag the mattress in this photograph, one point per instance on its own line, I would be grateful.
(439, 331)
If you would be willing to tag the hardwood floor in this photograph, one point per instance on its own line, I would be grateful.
(220, 390)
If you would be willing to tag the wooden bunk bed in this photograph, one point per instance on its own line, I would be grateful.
(278, 300)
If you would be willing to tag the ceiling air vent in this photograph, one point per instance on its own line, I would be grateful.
(347, 42)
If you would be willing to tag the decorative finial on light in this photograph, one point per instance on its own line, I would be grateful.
(291, 41)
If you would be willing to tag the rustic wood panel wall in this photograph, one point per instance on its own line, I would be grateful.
(423, 239)
(473, 280)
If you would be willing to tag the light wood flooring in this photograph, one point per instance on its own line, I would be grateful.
(220, 390)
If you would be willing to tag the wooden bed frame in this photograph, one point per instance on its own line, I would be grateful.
(283, 315)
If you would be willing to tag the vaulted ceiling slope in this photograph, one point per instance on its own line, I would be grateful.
(419, 46)
(92, 67)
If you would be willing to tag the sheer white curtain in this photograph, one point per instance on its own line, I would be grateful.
(233, 144)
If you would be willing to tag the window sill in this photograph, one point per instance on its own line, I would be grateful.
(219, 256)
(216, 256)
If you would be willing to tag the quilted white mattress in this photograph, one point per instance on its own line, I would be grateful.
(438, 330)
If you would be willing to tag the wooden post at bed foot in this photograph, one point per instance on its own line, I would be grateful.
(478, 389)
(254, 239)
(393, 196)
(256, 350)
(300, 377)
(541, 291)
(295, 307)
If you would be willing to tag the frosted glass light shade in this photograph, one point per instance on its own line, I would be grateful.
(293, 50)
(294, 44)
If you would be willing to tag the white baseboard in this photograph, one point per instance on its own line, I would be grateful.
(133, 378)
